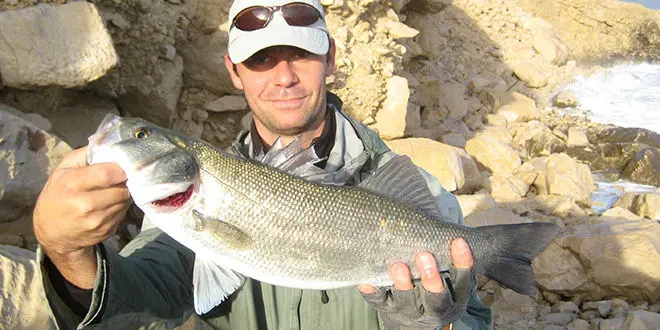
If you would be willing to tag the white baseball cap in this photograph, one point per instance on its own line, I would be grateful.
(243, 44)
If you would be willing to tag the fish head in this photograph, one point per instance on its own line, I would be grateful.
(161, 173)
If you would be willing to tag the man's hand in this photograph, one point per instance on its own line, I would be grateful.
(79, 207)
(434, 305)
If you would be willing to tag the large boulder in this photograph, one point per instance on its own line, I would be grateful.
(27, 157)
(518, 108)
(391, 119)
(65, 45)
(205, 65)
(643, 204)
(453, 167)
(644, 167)
(23, 302)
(603, 260)
(493, 155)
(558, 174)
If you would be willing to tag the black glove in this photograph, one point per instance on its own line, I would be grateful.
(418, 308)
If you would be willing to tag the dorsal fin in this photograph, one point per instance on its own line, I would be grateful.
(401, 180)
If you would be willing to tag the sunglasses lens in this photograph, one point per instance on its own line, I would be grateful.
(252, 18)
(300, 14)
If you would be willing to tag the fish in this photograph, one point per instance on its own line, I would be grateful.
(281, 221)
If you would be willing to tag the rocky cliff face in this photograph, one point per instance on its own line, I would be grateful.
(470, 90)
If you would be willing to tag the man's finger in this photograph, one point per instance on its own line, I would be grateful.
(366, 288)
(428, 271)
(461, 255)
(99, 176)
(105, 198)
(400, 274)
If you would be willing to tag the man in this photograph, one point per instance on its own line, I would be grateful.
(279, 56)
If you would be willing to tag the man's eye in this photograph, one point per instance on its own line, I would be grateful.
(301, 53)
(257, 60)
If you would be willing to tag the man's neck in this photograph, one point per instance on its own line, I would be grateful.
(268, 138)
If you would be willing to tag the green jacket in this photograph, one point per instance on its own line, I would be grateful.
(149, 283)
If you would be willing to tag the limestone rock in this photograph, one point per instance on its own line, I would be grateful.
(565, 99)
(620, 213)
(530, 74)
(644, 168)
(512, 310)
(76, 120)
(453, 167)
(550, 47)
(611, 324)
(204, 63)
(391, 119)
(227, 103)
(451, 98)
(566, 177)
(507, 188)
(642, 320)
(27, 157)
(398, 30)
(493, 155)
(518, 108)
(493, 216)
(156, 100)
(645, 205)
(578, 324)
(608, 259)
(23, 304)
(65, 45)
(454, 139)
(577, 137)
(474, 203)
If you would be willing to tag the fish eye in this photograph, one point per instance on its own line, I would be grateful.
(142, 132)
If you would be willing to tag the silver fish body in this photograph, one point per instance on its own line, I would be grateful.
(275, 227)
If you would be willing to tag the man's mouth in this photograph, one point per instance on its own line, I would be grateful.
(176, 200)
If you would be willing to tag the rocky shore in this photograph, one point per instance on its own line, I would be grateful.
(471, 90)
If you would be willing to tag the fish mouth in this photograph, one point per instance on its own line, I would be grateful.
(176, 200)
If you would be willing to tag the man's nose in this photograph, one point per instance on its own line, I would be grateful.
(285, 74)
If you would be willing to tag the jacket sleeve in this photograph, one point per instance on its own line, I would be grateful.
(151, 275)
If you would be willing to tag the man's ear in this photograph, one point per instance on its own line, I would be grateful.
(233, 72)
(330, 58)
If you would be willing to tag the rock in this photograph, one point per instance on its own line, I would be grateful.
(474, 203)
(451, 99)
(566, 177)
(561, 319)
(454, 139)
(565, 99)
(512, 310)
(626, 135)
(507, 188)
(544, 144)
(642, 320)
(79, 118)
(204, 62)
(619, 213)
(64, 45)
(620, 307)
(11, 239)
(645, 205)
(644, 168)
(453, 167)
(523, 132)
(604, 156)
(493, 216)
(530, 74)
(577, 137)
(611, 324)
(227, 103)
(603, 307)
(398, 30)
(156, 100)
(391, 119)
(566, 307)
(27, 157)
(578, 324)
(495, 156)
(550, 47)
(496, 120)
(563, 206)
(603, 260)
(23, 301)
(518, 108)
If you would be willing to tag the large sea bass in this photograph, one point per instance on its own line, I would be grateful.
(242, 217)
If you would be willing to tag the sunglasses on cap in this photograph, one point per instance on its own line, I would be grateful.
(257, 17)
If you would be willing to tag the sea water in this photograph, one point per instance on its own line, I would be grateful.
(651, 4)
(626, 95)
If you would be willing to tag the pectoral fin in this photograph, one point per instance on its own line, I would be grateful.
(212, 284)
(225, 232)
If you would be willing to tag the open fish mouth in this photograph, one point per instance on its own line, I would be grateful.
(176, 200)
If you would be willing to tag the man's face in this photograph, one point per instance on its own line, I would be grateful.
(285, 87)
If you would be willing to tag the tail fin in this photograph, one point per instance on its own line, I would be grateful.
(516, 245)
